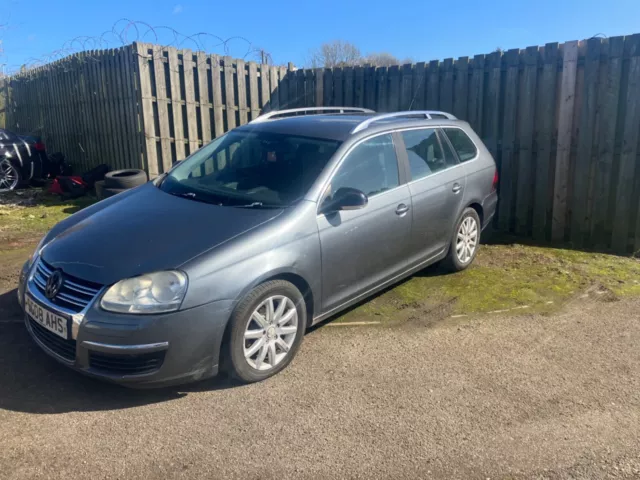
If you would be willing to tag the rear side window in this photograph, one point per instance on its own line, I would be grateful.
(462, 144)
(371, 167)
(425, 152)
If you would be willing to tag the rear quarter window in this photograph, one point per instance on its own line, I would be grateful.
(462, 144)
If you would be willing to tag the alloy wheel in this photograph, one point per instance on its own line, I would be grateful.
(467, 239)
(270, 332)
(8, 176)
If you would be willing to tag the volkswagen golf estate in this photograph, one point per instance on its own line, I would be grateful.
(224, 261)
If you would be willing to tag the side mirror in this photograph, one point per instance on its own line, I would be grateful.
(345, 199)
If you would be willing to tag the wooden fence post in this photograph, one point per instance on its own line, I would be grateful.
(565, 129)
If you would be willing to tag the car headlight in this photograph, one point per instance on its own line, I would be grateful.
(152, 293)
(36, 252)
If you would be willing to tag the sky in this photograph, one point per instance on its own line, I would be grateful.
(33, 31)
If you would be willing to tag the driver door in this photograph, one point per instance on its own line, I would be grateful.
(363, 248)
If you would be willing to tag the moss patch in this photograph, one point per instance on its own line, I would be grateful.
(503, 277)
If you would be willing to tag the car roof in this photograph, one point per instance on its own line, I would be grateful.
(333, 127)
(340, 127)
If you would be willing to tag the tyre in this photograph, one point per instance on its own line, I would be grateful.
(110, 192)
(124, 179)
(10, 176)
(464, 242)
(265, 332)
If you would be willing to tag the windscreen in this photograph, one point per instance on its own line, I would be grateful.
(251, 169)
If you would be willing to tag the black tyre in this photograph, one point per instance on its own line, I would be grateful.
(465, 241)
(110, 192)
(265, 332)
(124, 179)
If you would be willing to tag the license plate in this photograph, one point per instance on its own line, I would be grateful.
(49, 320)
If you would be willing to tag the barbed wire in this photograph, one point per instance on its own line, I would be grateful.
(125, 32)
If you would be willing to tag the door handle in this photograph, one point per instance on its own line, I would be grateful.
(456, 188)
(402, 209)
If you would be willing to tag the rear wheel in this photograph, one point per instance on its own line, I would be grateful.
(465, 242)
(9, 176)
(266, 331)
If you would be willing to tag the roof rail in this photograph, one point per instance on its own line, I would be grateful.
(428, 114)
(277, 113)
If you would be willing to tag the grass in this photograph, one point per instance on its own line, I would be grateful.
(31, 213)
(502, 277)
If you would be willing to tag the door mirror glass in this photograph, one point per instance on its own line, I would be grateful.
(345, 198)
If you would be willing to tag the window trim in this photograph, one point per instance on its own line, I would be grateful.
(402, 172)
(455, 152)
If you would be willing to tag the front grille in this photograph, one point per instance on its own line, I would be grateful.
(65, 348)
(126, 364)
(74, 295)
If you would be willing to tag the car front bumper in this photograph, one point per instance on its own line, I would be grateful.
(134, 350)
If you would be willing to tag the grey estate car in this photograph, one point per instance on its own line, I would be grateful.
(226, 260)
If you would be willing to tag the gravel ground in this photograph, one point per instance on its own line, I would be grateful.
(526, 396)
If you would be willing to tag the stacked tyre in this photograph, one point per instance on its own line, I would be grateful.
(118, 181)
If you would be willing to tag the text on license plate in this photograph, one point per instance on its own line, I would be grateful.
(49, 320)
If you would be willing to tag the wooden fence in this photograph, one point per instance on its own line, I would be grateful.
(562, 120)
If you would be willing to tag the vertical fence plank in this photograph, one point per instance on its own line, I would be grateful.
(381, 89)
(491, 120)
(302, 90)
(418, 87)
(338, 98)
(433, 88)
(292, 81)
(348, 87)
(358, 98)
(122, 112)
(327, 90)
(370, 87)
(273, 88)
(621, 240)
(310, 79)
(446, 85)
(565, 128)
(546, 112)
(526, 113)
(176, 103)
(475, 100)
(608, 101)
(393, 97)
(230, 94)
(203, 96)
(162, 106)
(190, 100)
(580, 204)
(216, 96)
(406, 86)
(254, 98)
(265, 90)
(318, 73)
(283, 88)
(242, 91)
(461, 89)
(508, 167)
(148, 122)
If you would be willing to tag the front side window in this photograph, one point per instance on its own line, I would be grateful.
(371, 167)
(462, 144)
(251, 169)
(425, 152)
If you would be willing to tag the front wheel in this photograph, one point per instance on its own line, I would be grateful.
(465, 242)
(266, 331)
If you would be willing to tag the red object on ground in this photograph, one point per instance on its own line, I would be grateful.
(68, 182)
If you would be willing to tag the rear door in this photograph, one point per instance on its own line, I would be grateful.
(366, 247)
(437, 183)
